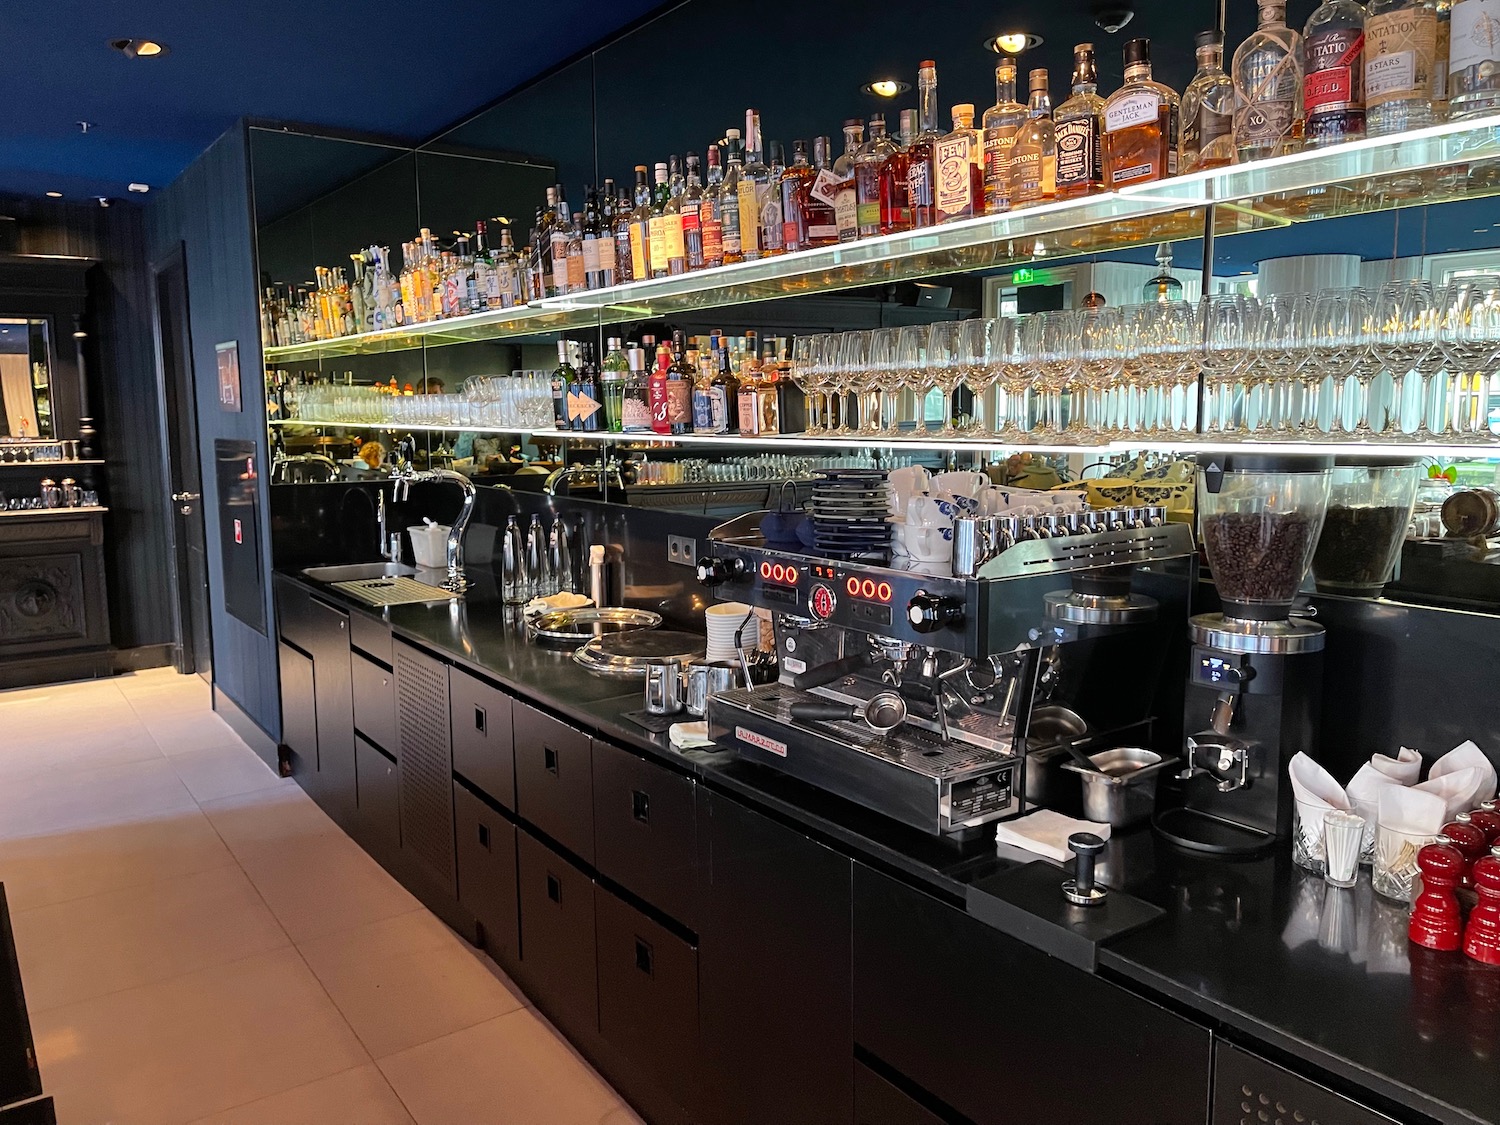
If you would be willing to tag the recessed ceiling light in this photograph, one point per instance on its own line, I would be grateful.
(140, 188)
(54, 195)
(138, 48)
(886, 87)
(1013, 42)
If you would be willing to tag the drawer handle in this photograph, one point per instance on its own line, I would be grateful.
(549, 760)
(640, 806)
(479, 719)
(554, 888)
(484, 836)
(643, 956)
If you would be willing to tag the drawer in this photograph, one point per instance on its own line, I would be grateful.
(1247, 1088)
(648, 995)
(487, 873)
(299, 711)
(483, 750)
(295, 620)
(557, 934)
(878, 1102)
(378, 821)
(555, 779)
(374, 702)
(371, 636)
(645, 830)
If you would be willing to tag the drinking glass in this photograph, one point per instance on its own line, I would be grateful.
(1403, 336)
(1279, 355)
(1015, 375)
(911, 359)
(1469, 335)
(1227, 326)
(1059, 367)
(944, 368)
(985, 354)
(880, 358)
(971, 355)
(1336, 336)
(804, 356)
(1100, 358)
(848, 367)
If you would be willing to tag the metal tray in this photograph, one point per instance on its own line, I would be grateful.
(577, 626)
(627, 654)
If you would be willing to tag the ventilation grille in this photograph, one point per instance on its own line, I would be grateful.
(426, 762)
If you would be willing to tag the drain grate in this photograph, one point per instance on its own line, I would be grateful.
(392, 591)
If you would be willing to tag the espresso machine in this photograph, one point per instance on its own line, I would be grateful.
(1255, 674)
(943, 701)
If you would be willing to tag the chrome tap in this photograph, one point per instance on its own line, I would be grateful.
(610, 469)
(402, 482)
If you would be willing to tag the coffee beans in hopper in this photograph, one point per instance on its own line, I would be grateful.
(1257, 556)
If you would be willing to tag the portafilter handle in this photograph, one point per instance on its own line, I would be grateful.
(1081, 890)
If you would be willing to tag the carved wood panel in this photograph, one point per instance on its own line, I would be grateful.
(42, 598)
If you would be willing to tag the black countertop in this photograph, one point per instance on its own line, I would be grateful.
(1267, 954)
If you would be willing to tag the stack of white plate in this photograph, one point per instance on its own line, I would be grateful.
(723, 620)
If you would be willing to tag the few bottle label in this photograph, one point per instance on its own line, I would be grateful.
(954, 159)
(1400, 48)
(1133, 110)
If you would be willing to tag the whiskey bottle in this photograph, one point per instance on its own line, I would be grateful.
(1077, 125)
(635, 407)
(729, 199)
(577, 273)
(657, 224)
(920, 172)
(703, 413)
(674, 241)
(1474, 58)
(768, 393)
(624, 268)
(680, 387)
(959, 163)
(594, 238)
(1207, 109)
(640, 228)
(723, 393)
(658, 394)
(1001, 123)
(1333, 73)
(822, 220)
(895, 186)
(770, 204)
(846, 201)
(754, 183)
(486, 280)
(1033, 155)
(1400, 52)
(868, 162)
(1267, 73)
(708, 214)
(562, 229)
(691, 209)
(795, 183)
(747, 397)
(1140, 124)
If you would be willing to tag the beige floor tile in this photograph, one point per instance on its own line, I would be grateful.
(284, 815)
(193, 1045)
(405, 980)
(58, 801)
(93, 946)
(516, 1072)
(323, 884)
(227, 772)
(123, 743)
(356, 1097)
(199, 729)
(42, 869)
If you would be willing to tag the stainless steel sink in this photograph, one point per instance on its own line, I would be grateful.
(359, 572)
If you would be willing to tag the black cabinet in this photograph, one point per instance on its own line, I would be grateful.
(377, 825)
(648, 995)
(645, 830)
(554, 779)
(1005, 1034)
(424, 754)
(371, 636)
(879, 1102)
(487, 874)
(773, 971)
(19, 1077)
(333, 688)
(1248, 1090)
(374, 701)
(557, 936)
(483, 753)
(299, 710)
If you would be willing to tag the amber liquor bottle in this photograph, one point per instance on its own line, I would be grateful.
(1033, 155)
(1078, 125)
(1140, 124)
(959, 163)
(895, 185)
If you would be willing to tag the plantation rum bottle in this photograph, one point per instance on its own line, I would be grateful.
(1400, 53)
(920, 171)
(1140, 124)
(1474, 58)
(1267, 74)
(1333, 74)
(1001, 123)
(1207, 110)
(1033, 155)
(1078, 126)
(959, 162)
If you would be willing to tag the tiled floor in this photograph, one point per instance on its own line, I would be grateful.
(199, 943)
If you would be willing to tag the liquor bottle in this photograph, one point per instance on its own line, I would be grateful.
(747, 397)
(920, 173)
(1333, 73)
(640, 228)
(486, 288)
(455, 280)
(593, 271)
(623, 267)
(635, 409)
(729, 199)
(538, 265)
(845, 201)
(868, 161)
(562, 230)
(959, 163)
(1001, 123)
(656, 225)
(1444, 10)
(690, 208)
(723, 392)
(504, 279)
(1473, 58)
(768, 393)
(1207, 139)
(1033, 154)
(1267, 73)
(817, 206)
(1400, 52)
(1140, 124)
(1078, 125)
(754, 186)
(770, 208)
(795, 183)
(680, 381)
(586, 403)
(562, 378)
(703, 414)
(613, 378)
(658, 394)
(708, 215)
(676, 244)
(577, 268)
(895, 185)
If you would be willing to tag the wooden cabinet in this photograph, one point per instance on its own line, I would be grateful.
(557, 936)
(555, 779)
(645, 830)
(54, 617)
(377, 825)
(487, 874)
(483, 753)
(424, 754)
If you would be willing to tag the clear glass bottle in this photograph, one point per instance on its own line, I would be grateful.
(708, 213)
(754, 185)
(656, 225)
(959, 163)
(1267, 72)
(508, 272)
(795, 184)
(770, 203)
(1400, 53)
(1474, 58)
(1001, 122)
(1033, 155)
(1207, 139)
(895, 184)
(868, 161)
(920, 172)
(846, 205)
(1140, 124)
(1333, 73)
(676, 244)
(1078, 125)
(729, 199)
(690, 207)
(616, 375)
(577, 268)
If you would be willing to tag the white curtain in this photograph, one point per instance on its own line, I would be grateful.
(15, 392)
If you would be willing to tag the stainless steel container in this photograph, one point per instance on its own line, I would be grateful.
(705, 679)
(663, 689)
(1123, 792)
(978, 539)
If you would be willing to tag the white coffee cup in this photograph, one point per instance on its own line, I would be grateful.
(964, 483)
(912, 480)
(930, 544)
(931, 511)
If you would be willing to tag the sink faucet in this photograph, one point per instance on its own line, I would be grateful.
(611, 469)
(401, 486)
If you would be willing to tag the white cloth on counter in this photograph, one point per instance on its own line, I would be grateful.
(1413, 810)
(1316, 793)
(689, 736)
(1457, 788)
(1466, 756)
(1404, 769)
(1046, 833)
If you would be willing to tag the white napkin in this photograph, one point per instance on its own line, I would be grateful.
(1316, 792)
(1412, 810)
(1405, 768)
(1046, 833)
(1379, 772)
(689, 736)
(1467, 756)
(1456, 788)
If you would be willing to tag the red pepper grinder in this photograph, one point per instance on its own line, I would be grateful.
(1469, 839)
(1436, 921)
(1487, 820)
(1482, 938)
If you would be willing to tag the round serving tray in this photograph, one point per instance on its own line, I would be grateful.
(575, 626)
(627, 654)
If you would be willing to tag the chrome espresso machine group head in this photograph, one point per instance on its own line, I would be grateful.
(1052, 639)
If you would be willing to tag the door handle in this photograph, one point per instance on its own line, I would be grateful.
(187, 496)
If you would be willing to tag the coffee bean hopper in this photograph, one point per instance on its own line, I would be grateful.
(1254, 690)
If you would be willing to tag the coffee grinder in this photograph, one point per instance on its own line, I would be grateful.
(1254, 690)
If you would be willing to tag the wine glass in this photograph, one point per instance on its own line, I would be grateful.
(1469, 334)
(1058, 357)
(849, 367)
(880, 358)
(944, 367)
(1402, 338)
(804, 357)
(1278, 355)
(986, 358)
(1336, 335)
(1227, 327)
(972, 356)
(911, 359)
(1100, 358)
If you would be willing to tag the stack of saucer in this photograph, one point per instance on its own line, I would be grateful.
(723, 620)
(849, 514)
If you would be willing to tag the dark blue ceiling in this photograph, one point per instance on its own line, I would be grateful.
(374, 66)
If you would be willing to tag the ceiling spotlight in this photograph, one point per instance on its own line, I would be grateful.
(1112, 15)
(886, 88)
(85, 126)
(140, 188)
(138, 48)
(54, 195)
(103, 200)
(1013, 42)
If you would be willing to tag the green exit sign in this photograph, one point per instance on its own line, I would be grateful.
(1029, 276)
